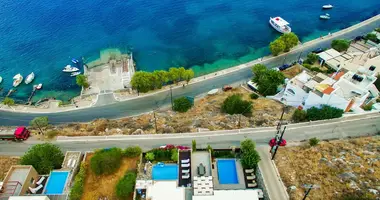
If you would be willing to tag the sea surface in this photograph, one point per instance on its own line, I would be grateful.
(207, 35)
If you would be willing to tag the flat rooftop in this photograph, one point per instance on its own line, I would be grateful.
(199, 157)
(230, 194)
(17, 173)
(165, 190)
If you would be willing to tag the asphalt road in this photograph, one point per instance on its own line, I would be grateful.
(148, 103)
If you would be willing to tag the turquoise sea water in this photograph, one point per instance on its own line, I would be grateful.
(41, 36)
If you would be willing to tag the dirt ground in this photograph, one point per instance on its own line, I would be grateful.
(339, 167)
(205, 115)
(292, 71)
(5, 163)
(96, 187)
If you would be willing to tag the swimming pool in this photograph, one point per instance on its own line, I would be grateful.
(227, 172)
(56, 182)
(165, 172)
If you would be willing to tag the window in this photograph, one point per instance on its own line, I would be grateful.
(291, 91)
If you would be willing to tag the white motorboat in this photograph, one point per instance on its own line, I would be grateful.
(39, 86)
(325, 16)
(328, 6)
(1, 79)
(70, 68)
(75, 73)
(29, 78)
(17, 80)
(280, 25)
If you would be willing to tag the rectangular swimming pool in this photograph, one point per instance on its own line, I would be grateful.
(56, 182)
(165, 172)
(227, 171)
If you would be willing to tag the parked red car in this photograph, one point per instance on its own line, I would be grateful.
(272, 142)
(227, 87)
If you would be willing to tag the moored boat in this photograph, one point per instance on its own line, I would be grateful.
(29, 78)
(17, 79)
(39, 86)
(325, 16)
(280, 25)
(70, 68)
(75, 73)
(75, 61)
(328, 6)
(1, 79)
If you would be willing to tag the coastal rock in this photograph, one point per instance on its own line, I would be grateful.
(119, 131)
(168, 129)
(371, 170)
(368, 153)
(347, 176)
(373, 191)
(292, 188)
(353, 185)
(138, 132)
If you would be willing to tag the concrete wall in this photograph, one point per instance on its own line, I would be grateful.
(294, 99)
(28, 180)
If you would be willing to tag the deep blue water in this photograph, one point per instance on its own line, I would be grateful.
(42, 36)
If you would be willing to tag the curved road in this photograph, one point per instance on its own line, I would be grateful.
(149, 102)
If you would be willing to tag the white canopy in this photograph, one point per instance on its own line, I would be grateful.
(280, 21)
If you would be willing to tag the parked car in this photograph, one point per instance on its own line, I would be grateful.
(319, 50)
(358, 38)
(227, 87)
(283, 67)
(252, 85)
(272, 142)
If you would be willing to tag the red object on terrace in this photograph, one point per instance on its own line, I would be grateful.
(272, 142)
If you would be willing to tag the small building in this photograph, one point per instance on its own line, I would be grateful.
(230, 194)
(165, 190)
(29, 198)
(17, 181)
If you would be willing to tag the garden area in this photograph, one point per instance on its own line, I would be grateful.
(107, 173)
(167, 154)
(5, 163)
(311, 63)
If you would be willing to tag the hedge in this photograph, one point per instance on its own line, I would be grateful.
(106, 161)
(77, 189)
(132, 152)
(126, 185)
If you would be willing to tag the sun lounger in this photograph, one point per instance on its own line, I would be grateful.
(186, 176)
(251, 177)
(185, 161)
(69, 162)
(185, 171)
(34, 190)
(40, 180)
(185, 165)
(73, 164)
(251, 185)
(260, 193)
(249, 171)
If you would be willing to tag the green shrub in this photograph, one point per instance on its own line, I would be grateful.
(43, 157)
(194, 145)
(223, 154)
(313, 141)
(8, 101)
(51, 134)
(249, 157)
(378, 100)
(267, 80)
(132, 151)
(254, 96)
(234, 104)
(325, 112)
(77, 189)
(125, 186)
(174, 156)
(311, 58)
(299, 116)
(209, 149)
(340, 45)
(182, 104)
(149, 156)
(372, 37)
(367, 107)
(106, 161)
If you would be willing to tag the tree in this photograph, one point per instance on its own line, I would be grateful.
(8, 101)
(267, 80)
(174, 75)
(161, 77)
(250, 157)
(209, 149)
(258, 71)
(290, 40)
(194, 145)
(311, 58)
(181, 72)
(254, 96)
(43, 157)
(189, 74)
(277, 46)
(149, 156)
(174, 156)
(340, 45)
(313, 141)
(234, 104)
(82, 81)
(372, 37)
(39, 122)
(106, 161)
(142, 81)
(247, 145)
(299, 116)
(132, 151)
(182, 104)
(126, 185)
(325, 112)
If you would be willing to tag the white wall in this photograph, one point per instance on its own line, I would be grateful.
(293, 99)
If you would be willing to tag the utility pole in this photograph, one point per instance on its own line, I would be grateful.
(278, 143)
(171, 96)
(155, 120)
(280, 122)
(309, 187)
(39, 127)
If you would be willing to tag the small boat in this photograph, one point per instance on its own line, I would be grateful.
(39, 86)
(328, 6)
(69, 68)
(17, 80)
(325, 16)
(75, 73)
(75, 61)
(29, 78)
(280, 25)
(1, 79)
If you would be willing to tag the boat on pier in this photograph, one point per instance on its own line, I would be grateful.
(17, 80)
(29, 78)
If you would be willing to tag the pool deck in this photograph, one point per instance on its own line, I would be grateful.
(184, 155)
(199, 157)
(239, 173)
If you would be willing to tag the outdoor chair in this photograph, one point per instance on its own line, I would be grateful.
(186, 176)
(42, 178)
(249, 171)
(185, 161)
(251, 185)
(35, 190)
(251, 177)
(185, 171)
(185, 165)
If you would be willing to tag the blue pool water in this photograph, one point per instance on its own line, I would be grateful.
(227, 172)
(56, 182)
(42, 36)
(165, 172)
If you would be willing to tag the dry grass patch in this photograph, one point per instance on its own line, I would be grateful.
(292, 71)
(96, 187)
(325, 163)
(5, 163)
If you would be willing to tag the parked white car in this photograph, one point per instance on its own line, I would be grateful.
(252, 85)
